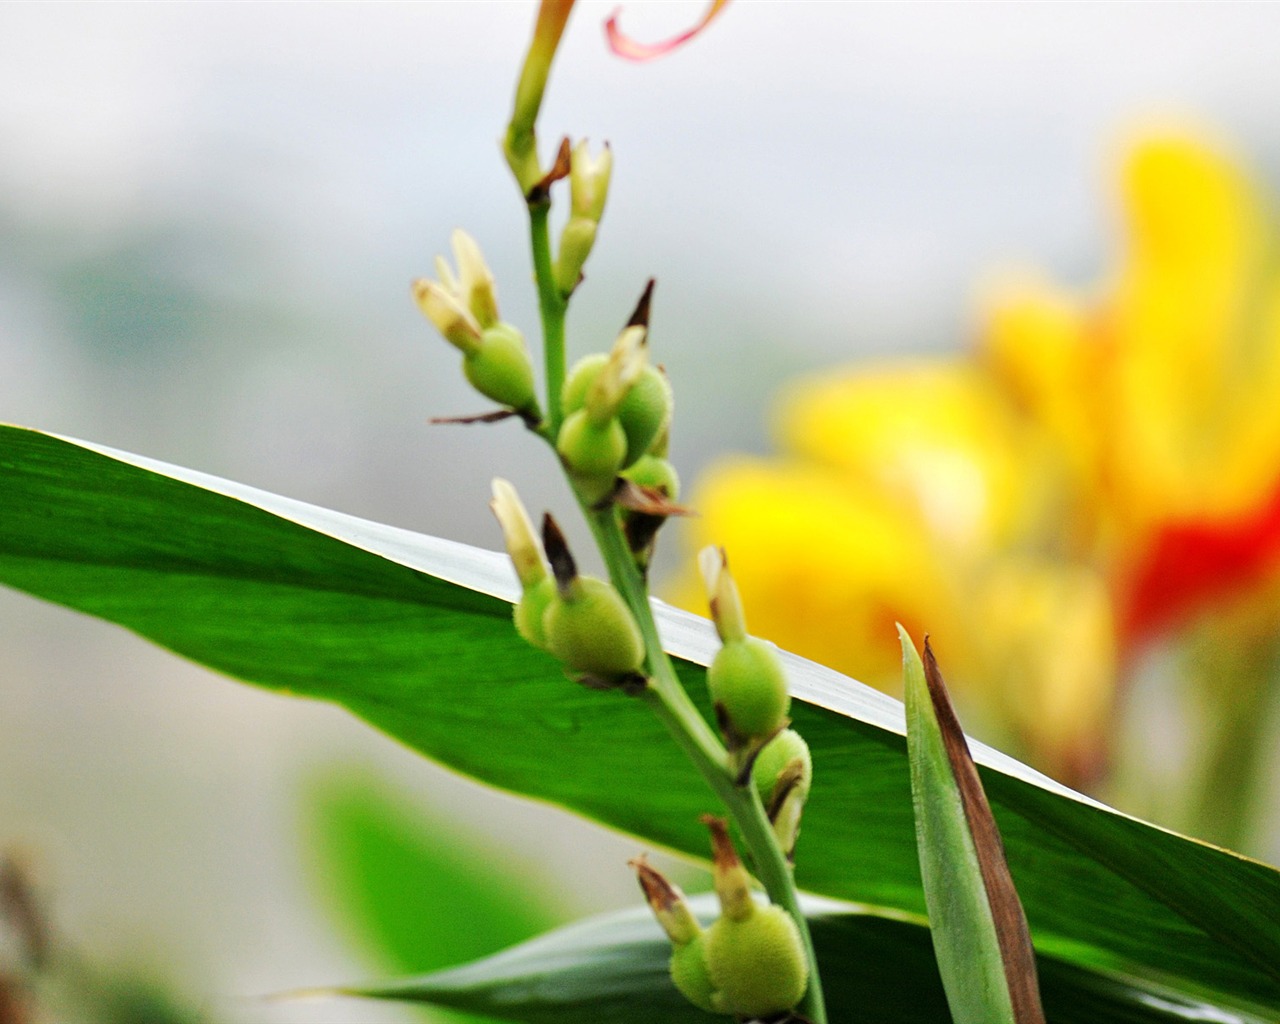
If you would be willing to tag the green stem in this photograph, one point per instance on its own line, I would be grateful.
(552, 307)
(664, 693)
(669, 701)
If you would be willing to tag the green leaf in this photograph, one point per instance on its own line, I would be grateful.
(880, 970)
(415, 892)
(978, 928)
(413, 634)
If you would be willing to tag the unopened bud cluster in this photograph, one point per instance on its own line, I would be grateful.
(617, 410)
(610, 422)
(750, 962)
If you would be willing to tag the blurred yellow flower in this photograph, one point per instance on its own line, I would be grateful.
(1094, 474)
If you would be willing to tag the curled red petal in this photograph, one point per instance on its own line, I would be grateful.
(625, 46)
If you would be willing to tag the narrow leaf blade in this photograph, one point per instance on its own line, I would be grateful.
(979, 930)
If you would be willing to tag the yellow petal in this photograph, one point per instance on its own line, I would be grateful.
(936, 435)
(824, 567)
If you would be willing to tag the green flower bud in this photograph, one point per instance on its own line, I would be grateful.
(688, 958)
(576, 240)
(754, 955)
(656, 474)
(531, 610)
(757, 965)
(747, 684)
(592, 452)
(537, 587)
(749, 690)
(779, 754)
(692, 978)
(499, 368)
(589, 627)
(573, 395)
(644, 410)
(783, 773)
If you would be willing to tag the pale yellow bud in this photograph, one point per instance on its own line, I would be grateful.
(576, 240)
(722, 595)
(732, 883)
(475, 286)
(518, 533)
(627, 361)
(667, 903)
(589, 181)
(451, 317)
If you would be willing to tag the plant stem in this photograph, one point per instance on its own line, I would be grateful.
(551, 307)
(664, 693)
(669, 701)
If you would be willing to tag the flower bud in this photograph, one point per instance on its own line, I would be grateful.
(755, 957)
(499, 368)
(464, 308)
(656, 474)
(475, 281)
(644, 406)
(627, 360)
(573, 395)
(688, 955)
(537, 587)
(576, 241)
(689, 972)
(592, 453)
(587, 625)
(517, 533)
(722, 595)
(783, 773)
(747, 684)
(451, 318)
(460, 306)
(589, 181)
(646, 411)
(667, 903)
(749, 690)
(590, 629)
(530, 614)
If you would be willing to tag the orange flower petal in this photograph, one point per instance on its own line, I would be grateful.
(625, 46)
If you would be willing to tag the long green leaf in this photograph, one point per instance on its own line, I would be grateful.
(414, 892)
(878, 970)
(413, 634)
(978, 928)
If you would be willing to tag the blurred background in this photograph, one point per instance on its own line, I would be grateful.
(209, 217)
